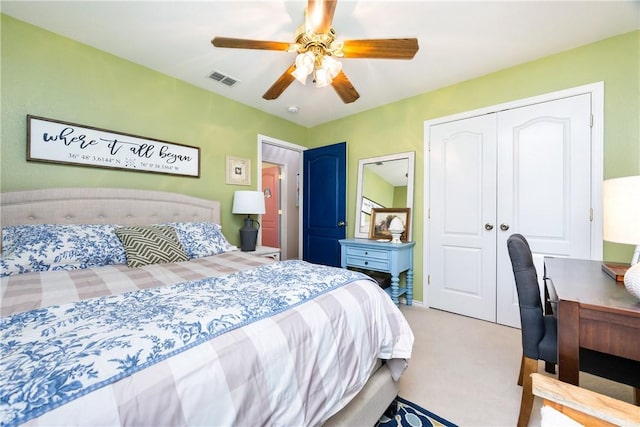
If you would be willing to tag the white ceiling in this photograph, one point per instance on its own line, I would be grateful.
(458, 40)
(393, 171)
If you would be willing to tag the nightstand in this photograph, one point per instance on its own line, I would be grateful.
(386, 257)
(267, 252)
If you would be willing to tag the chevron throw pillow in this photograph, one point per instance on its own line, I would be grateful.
(153, 244)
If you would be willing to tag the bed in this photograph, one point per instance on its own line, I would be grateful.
(227, 338)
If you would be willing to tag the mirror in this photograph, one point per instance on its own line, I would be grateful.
(383, 182)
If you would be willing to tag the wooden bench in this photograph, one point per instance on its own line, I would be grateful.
(584, 406)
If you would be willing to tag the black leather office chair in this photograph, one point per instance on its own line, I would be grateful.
(540, 338)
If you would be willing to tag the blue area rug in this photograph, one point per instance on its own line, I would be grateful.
(408, 414)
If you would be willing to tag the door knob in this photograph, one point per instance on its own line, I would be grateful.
(341, 224)
(488, 227)
(504, 227)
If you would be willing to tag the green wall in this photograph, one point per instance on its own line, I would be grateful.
(616, 61)
(51, 76)
(377, 189)
(400, 196)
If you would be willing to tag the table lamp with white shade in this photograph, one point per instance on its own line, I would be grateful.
(621, 222)
(249, 203)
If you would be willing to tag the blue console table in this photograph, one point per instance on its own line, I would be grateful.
(386, 257)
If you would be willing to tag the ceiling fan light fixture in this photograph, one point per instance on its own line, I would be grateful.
(304, 66)
(327, 71)
(317, 36)
(300, 75)
(332, 66)
(336, 47)
(321, 78)
(305, 61)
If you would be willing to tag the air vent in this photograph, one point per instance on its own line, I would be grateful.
(223, 78)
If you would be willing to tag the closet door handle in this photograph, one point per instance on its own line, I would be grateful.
(488, 227)
(504, 227)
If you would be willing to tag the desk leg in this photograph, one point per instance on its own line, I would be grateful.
(395, 280)
(409, 286)
(568, 342)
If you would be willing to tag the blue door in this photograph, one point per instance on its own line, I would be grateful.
(324, 221)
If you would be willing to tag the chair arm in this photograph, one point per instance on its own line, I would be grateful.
(585, 406)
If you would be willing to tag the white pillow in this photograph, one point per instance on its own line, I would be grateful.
(200, 239)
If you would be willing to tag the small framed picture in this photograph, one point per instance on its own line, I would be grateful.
(238, 171)
(381, 220)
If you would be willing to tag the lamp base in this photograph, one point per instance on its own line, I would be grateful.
(248, 236)
(632, 280)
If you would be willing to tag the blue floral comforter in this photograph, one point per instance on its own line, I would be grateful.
(56, 354)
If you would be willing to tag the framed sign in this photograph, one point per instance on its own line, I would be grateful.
(365, 214)
(381, 219)
(368, 204)
(54, 141)
(238, 171)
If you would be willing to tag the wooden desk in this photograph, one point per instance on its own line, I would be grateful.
(594, 312)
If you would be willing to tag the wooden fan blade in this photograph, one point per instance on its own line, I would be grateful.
(381, 48)
(281, 84)
(344, 88)
(249, 44)
(320, 15)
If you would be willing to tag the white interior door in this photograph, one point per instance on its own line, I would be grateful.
(524, 170)
(463, 194)
(544, 187)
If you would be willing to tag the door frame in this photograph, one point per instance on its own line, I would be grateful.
(597, 162)
(263, 139)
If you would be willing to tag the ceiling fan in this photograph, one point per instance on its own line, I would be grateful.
(316, 46)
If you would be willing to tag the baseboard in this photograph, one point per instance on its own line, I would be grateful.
(414, 303)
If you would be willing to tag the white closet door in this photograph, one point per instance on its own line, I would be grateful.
(544, 187)
(463, 194)
(525, 170)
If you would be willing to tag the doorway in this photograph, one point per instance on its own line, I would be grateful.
(524, 169)
(288, 157)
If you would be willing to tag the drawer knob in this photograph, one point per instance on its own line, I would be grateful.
(366, 263)
(366, 253)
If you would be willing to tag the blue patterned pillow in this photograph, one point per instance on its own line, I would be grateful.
(44, 247)
(200, 239)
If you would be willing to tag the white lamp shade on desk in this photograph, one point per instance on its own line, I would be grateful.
(248, 202)
(621, 218)
(621, 222)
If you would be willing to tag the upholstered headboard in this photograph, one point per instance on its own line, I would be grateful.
(104, 206)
